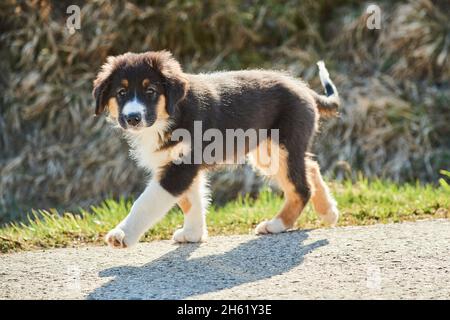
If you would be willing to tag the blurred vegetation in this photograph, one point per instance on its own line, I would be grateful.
(394, 83)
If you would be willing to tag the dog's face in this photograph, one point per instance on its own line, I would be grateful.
(137, 97)
(138, 90)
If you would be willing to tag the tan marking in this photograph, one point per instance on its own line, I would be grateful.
(320, 197)
(261, 157)
(293, 204)
(145, 83)
(113, 108)
(161, 112)
(124, 82)
(184, 204)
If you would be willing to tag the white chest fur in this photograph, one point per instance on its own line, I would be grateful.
(145, 145)
(145, 148)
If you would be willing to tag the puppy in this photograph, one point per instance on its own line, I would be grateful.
(153, 100)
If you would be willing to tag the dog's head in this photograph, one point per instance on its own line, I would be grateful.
(138, 90)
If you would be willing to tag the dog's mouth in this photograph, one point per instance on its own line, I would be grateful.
(133, 128)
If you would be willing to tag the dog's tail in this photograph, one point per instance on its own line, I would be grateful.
(327, 104)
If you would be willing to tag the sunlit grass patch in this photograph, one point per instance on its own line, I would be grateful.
(360, 203)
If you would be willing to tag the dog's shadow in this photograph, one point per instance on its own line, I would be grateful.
(176, 276)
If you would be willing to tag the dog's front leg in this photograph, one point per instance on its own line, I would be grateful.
(194, 203)
(147, 210)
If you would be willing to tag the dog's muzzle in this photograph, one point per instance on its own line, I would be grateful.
(133, 119)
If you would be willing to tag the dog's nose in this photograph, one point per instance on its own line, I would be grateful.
(133, 119)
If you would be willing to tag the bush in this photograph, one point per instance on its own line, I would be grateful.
(394, 84)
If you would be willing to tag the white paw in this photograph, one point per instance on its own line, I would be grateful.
(116, 238)
(270, 226)
(190, 235)
(331, 216)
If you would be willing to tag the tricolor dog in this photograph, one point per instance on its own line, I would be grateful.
(151, 98)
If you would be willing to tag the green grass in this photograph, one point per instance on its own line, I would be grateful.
(360, 203)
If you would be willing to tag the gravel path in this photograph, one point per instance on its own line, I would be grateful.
(406, 261)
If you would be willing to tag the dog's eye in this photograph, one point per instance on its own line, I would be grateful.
(122, 92)
(150, 91)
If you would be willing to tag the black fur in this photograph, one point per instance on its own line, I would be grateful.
(329, 89)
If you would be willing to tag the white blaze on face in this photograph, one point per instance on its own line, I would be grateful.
(133, 106)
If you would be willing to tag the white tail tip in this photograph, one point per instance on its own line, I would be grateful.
(323, 73)
(324, 76)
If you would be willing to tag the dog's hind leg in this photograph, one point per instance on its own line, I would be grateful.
(322, 200)
(291, 176)
(194, 203)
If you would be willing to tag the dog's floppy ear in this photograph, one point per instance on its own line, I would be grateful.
(102, 85)
(175, 81)
(176, 89)
(99, 93)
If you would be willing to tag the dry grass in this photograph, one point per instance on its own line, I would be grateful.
(394, 121)
(394, 84)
